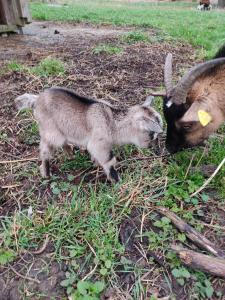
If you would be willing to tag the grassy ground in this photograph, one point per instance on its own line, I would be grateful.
(103, 235)
(180, 20)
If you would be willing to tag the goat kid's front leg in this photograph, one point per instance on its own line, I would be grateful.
(45, 155)
(111, 173)
(103, 155)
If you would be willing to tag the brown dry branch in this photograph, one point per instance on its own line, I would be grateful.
(43, 247)
(18, 160)
(191, 233)
(23, 276)
(202, 262)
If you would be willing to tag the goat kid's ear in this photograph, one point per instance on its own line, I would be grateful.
(149, 125)
(148, 101)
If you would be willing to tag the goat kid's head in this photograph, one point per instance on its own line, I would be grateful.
(146, 123)
(193, 109)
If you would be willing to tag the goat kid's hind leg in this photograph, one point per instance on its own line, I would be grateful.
(104, 157)
(46, 151)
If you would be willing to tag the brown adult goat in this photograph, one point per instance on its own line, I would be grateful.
(195, 107)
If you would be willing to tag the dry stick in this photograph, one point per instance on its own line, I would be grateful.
(209, 179)
(202, 262)
(24, 277)
(188, 169)
(42, 249)
(95, 267)
(191, 233)
(18, 160)
(10, 186)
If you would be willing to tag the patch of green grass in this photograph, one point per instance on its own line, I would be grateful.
(135, 37)
(179, 20)
(49, 67)
(29, 133)
(45, 68)
(107, 49)
(80, 161)
(14, 66)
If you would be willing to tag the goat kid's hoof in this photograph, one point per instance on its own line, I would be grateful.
(44, 173)
(113, 175)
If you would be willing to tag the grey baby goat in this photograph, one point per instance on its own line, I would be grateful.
(67, 118)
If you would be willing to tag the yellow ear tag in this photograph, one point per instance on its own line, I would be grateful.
(204, 117)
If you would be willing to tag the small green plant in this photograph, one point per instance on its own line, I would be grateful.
(204, 288)
(87, 290)
(14, 66)
(49, 67)
(107, 49)
(164, 223)
(6, 256)
(181, 274)
(135, 37)
(81, 160)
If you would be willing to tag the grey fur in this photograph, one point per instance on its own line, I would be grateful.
(66, 118)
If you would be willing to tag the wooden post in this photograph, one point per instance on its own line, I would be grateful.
(13, 15)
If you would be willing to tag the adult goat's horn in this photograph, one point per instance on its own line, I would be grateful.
(179, 92)
(168, 74)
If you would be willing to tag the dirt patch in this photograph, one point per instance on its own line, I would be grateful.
(42, 276)
(123, 79)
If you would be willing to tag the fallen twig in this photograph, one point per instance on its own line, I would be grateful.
(43, 247)
(18, 160)
(191, 233)
(209, 179)
(23, 276)
(202, 262)
(96, 265)
(10, 186)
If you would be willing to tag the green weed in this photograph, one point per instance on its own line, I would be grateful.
(46, 67)
(6, 256)
(107, 49)
(135, 37)
(87, 290)
(49, 67)
(15, 66)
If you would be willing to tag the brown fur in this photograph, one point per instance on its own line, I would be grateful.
(208, 94)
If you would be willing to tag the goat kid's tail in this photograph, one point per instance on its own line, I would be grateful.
(26, 101)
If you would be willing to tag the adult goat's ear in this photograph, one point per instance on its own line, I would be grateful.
(197, 113)
(148, 101)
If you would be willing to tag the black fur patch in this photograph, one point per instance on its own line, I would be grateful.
(113, 174)
(47, 167)
(111, 155)
(221, 52)
(75, 96)
(175, 138)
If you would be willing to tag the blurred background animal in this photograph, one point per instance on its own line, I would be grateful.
(204, 5)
